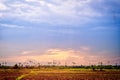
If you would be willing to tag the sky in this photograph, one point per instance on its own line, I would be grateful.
(82, 31)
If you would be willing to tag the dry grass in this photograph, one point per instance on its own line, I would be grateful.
(58, 74)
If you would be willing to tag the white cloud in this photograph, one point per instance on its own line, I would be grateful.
(106, 28)
(85, 48)
(26, 52)
(61, 54)
(30, 0)
(54, 12)
(1, 15)
(83, 56)
(3, 7)
(10, 26)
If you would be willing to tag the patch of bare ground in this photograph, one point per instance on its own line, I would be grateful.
(11, 74)
(106, 75)
(58, 74)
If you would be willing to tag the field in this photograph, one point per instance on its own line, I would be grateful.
(58, 74)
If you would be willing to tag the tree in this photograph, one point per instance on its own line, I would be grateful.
(93, 67)
(101, 66)
(38, 65)
(0, 65)
(15, 66)
(73, 63)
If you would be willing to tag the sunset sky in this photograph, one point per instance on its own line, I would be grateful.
(81, 31)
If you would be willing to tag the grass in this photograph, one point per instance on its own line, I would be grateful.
(20, 77)
(58, 74)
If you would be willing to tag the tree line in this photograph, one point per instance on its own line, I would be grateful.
(100, 66)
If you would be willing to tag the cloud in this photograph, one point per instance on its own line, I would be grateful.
(100, 28)
(84, 56)
(52, 12)
(27, 52)
(104, 28)
(85, 48)
(61, 54)
(3, 7)
(10, 26)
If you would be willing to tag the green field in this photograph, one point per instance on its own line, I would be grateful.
(58, 74)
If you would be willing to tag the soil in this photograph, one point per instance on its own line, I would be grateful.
(28, 74)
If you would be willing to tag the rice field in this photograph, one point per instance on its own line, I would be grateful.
(58, 74)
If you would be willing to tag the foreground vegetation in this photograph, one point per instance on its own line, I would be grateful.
(60, 72)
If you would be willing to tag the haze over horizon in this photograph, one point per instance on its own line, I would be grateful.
(81, 31)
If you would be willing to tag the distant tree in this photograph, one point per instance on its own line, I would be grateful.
(101, 66)
(54, 63)
(5, 63)
(49, 63)
(19, 64)
(93, 67)
(38, 65)
(65, 64)
(116, 66)
(0, 65)
(16, 66)
(73, 63)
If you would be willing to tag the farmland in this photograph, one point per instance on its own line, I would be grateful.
(59, 74)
